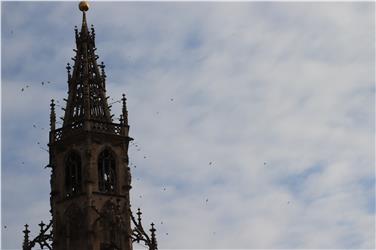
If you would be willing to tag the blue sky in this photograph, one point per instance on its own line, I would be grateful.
(278, 96)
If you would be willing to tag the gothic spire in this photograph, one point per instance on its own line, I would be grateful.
(86, 95)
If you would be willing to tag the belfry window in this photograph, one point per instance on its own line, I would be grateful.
(106, 172)
(72, 174)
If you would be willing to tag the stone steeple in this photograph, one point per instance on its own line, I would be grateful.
(86, 85)
(90, 176)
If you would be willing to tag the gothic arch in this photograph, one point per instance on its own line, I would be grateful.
(107, 172)
(73, 173)
(112, 226)
(74, 223)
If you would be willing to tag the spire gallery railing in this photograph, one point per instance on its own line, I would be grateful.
(95, 126)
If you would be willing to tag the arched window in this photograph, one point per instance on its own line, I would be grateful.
(72, 174)
(106, 172)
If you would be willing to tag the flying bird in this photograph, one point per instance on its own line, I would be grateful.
(44, 149)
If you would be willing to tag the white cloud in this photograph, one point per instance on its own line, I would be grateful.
(278, 96)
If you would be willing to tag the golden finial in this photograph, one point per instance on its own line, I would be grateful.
(84, 6)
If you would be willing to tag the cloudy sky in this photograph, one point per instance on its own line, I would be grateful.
(257, 120)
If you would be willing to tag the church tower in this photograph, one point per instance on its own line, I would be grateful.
(90, 176)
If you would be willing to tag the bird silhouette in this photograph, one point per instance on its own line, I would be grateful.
(44, 149)
(22, 89)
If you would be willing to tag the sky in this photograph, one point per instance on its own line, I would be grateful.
(255, 121)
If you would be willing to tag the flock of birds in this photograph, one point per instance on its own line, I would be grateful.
(28, 85)
(138, 148)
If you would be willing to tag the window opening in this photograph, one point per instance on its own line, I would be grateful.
(73, 174)
(106, 172)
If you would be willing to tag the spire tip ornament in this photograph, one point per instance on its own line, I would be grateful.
(83, 6)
